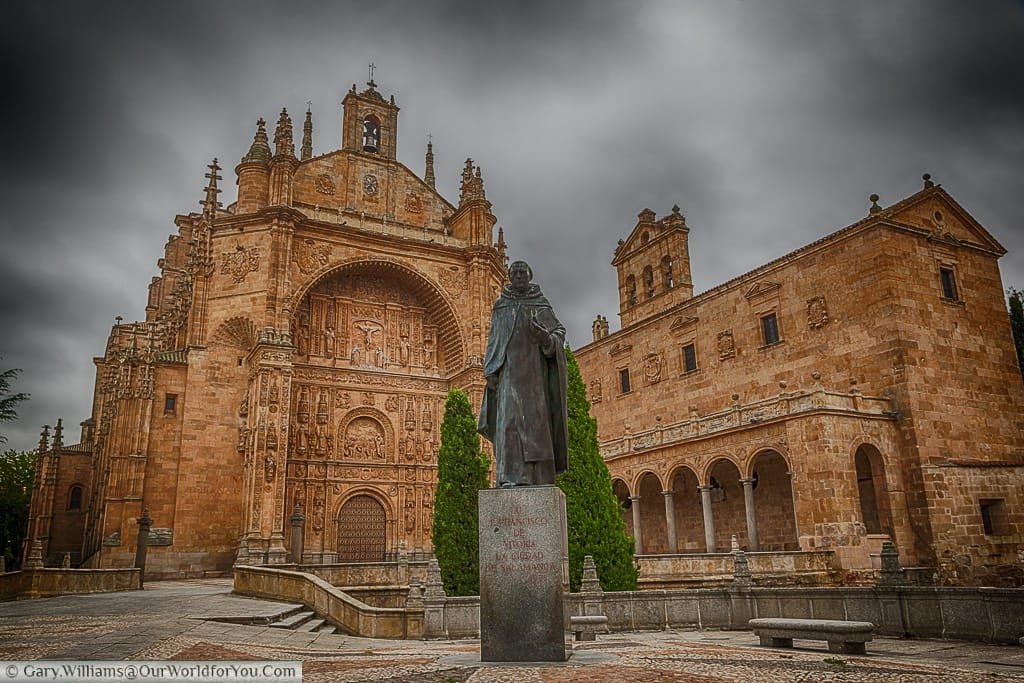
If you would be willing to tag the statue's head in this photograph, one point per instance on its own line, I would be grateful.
(519, 275)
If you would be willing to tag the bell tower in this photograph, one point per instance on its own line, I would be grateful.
(370, 123)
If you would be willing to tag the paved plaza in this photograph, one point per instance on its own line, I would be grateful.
(179, 620)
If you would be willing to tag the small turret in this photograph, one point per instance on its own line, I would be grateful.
(284, 146)
(254, 173)
(473, 221)
(283, 163)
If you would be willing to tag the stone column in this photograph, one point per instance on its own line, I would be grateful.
(637, 540)
(144, 522)
(709, 518)
(670, 522)
(297, 519)
(748, 503)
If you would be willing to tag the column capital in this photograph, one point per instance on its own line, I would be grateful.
(667, 493)
(704, 487)
(634, 498)
(747, 482)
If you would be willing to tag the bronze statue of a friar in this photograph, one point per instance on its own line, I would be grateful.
(523, 411)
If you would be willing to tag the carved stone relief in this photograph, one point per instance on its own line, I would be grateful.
(240, 262)
(311, 256)
(325, 184)
(817, 313)
(652, 368)
(726, 345)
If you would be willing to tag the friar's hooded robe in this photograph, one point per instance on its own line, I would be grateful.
(524, 414)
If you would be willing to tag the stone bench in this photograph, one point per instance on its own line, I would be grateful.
(587, 627)
(842, 636)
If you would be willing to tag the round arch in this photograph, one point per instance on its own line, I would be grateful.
(769, 472)
(707, 472)
(748, 470)
(686, 509)
(419, 285)
(872, 489)
(363, 522)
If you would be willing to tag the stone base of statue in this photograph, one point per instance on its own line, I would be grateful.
(524, 566)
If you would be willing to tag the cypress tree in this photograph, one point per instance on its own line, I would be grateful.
(461, 471)
(594, 515)
(1016, 301)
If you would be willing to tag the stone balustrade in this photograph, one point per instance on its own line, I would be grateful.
(786, 404)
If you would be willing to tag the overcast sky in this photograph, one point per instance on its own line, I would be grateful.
(769, 123)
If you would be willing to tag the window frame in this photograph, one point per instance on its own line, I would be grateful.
(762, 320)
(682, 350)
(625, 387)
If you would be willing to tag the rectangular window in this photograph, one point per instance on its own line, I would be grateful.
(624, 381)
(170, 401)
(689, 358)
(770, 329)
(993, 516)
(948, 278)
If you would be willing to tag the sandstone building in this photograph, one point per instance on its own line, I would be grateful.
(860, 389)
(296, 353)
(298, 344)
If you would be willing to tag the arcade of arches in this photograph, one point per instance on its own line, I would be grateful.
(698, 512)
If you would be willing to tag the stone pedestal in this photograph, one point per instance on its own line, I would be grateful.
(524, 553)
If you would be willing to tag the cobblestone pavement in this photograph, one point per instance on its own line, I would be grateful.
(171, 620)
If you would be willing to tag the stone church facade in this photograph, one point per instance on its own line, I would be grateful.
(863, 388)
(298, 345)
(296, 354)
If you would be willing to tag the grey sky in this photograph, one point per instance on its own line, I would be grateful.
(769, 123)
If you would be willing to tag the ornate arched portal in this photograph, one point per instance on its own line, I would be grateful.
(362, 530)
(376, 342)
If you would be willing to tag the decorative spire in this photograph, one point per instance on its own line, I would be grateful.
(283, 145)
(307, 133)
(209, 202)
(58, 435)
(472, 188)
(501, 245)
(44, 439)
(260, 149)
(428, 176)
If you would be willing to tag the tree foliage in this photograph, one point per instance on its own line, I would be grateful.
(9, 401)
(595, 519)
(1016, 301)
(461, 471)
(17, 470)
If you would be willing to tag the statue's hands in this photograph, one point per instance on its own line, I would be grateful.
(492, 382)
(538, 332)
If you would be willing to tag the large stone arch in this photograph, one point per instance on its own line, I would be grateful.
(649, 495)
(420, 285)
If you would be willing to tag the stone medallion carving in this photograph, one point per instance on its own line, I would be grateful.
(453, 281)
(726, 345)
(325, 184)
(240, 262)
(817, 313)
(652, 368)
(370, 185)
(595, 391)
(413, 203)
(312, 256)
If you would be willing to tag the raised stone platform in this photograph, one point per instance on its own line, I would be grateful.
(523, 573)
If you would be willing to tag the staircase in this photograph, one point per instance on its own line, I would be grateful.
(302, 619)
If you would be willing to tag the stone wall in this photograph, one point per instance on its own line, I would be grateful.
(43, 583)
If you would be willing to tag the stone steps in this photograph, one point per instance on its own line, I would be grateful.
(294, 621)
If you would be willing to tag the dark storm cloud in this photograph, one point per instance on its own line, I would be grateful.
(769, 124)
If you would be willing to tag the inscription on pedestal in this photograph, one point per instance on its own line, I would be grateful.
(523, 552)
